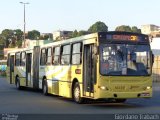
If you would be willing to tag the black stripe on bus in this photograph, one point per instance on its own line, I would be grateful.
(63, 81)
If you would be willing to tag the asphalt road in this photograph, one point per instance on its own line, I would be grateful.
(34, 102)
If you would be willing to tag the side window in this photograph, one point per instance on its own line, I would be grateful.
(17, 60)
(76, 53)
(65, 58)
(49, 56)
(23, 58)
(56, 56)
(43, 57)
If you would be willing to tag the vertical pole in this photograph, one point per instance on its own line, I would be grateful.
(24, 26)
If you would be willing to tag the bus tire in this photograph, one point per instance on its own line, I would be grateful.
(18, 83)
(120, 100)
(76, 93)
(45, 88)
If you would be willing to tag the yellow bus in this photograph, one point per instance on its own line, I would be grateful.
(103, 65)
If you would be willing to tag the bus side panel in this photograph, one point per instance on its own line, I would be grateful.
(11, 70)
(77, 76)
(8, 69)
(36, 53)
(55, 79)
(65, 81)
(8, 74)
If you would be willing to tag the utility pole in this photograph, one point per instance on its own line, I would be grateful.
(24, 37)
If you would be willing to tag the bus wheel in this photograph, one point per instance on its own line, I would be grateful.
(120, 100)
(18, 83)
(76, 93)
(45, 88)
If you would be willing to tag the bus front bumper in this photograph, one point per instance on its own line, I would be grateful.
(107, 94)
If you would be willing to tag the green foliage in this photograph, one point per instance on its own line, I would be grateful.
(6, 36)
(98, 27)
(136, 30)
(127, 28)
(33, 35)
(9, 38)
(19, 34)
(82, 32)
(75, 33)
(124, 28)
(1, 42)
(78, 33)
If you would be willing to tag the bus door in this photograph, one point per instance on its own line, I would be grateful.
(35, 66)
(28, 68)
(89, 70)
(11, 69)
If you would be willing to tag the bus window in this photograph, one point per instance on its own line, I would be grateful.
(23, 59)
(49, 56)
(17, 62)
(65, 59)
(56, 56)
(76, 53)
(123, 59)
(43, 57)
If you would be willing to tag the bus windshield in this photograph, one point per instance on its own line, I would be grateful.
(125, 59)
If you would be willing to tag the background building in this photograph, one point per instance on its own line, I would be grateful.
(151, 29)
(60, 35)
(155, 43)
(47, 36)
(31, 43)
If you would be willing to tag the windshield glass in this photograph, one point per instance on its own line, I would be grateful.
(125, 59)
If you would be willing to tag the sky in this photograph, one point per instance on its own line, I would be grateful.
(48, 16)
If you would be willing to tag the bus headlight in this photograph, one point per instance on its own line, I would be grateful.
(148, 88)
(103, 88)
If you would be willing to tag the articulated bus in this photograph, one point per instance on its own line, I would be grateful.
(104, 65)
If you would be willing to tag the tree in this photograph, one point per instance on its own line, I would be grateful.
(123, 28)
(98, 27)
(33, 35)
(75, 33)
(78, 33)
(136, 30)
(18, 36)
(127, 28)
(7, 36)
(82, 32)
(1, 47)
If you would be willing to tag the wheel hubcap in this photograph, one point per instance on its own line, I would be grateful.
(77, 93)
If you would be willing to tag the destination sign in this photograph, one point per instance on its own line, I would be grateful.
(124, 37)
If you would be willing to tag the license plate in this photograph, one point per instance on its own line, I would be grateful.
(145, 94)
